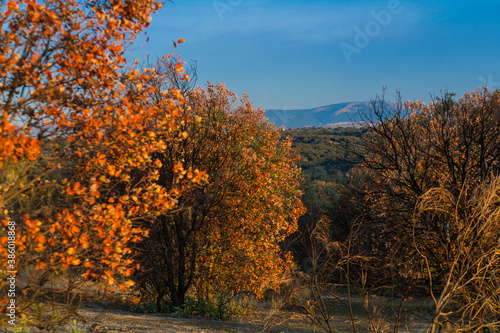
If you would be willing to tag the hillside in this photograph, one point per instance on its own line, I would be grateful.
(334, 115)
(324, 153)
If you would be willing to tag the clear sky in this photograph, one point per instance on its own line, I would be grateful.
(302, 54)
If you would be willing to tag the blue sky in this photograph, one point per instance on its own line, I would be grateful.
(303, 54)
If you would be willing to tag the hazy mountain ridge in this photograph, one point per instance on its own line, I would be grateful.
(334, 115)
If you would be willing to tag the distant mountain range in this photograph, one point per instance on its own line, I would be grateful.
(335, 115)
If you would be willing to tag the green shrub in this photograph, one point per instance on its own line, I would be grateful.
(150, 307)
(217, 307)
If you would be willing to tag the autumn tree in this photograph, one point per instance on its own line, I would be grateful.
(225, 235)
(75, 128)
(412, 150)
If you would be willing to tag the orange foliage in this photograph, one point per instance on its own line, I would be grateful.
(226, 235)
(70, 108)
(262, 205)
(93, 153)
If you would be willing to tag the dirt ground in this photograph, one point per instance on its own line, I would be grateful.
(107, 320)
(112, 317)
(103, 318)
